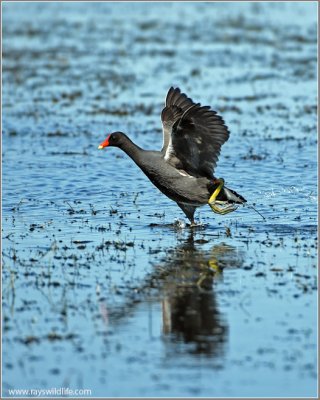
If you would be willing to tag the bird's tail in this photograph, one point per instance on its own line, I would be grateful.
(223, 200)
(230, 196)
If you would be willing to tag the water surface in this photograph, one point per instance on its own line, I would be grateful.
(104, 287)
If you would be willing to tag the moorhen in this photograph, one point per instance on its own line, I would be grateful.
(183, 169)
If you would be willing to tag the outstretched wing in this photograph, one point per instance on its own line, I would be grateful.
(175, 105)
(193, 136)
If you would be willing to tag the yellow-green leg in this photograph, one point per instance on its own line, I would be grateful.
(217, 206)
(217, 191)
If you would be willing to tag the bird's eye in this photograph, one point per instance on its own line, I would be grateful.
(114, 139)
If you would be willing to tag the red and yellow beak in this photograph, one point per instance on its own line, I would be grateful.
(104, 144)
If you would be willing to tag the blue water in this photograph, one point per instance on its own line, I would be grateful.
(104, 286)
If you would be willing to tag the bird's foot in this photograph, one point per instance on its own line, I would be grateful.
(218, 206)
(193, 223)
(222, 207)
(196, 225)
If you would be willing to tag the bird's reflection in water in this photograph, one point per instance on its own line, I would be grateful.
(184, 281)
(189, 307)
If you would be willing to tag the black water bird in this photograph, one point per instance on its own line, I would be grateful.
(183, 169)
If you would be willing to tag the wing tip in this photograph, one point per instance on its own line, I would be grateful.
(171, 93)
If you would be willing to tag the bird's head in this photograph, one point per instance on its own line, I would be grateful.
(114, 139)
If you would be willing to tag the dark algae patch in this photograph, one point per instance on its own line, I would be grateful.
(102, 279)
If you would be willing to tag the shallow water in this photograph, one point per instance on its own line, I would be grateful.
(104, 286)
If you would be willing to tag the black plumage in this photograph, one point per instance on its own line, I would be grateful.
(184, 168)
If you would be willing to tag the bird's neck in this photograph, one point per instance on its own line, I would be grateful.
(132, 150)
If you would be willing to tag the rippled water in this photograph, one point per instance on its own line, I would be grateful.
(104, 287)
